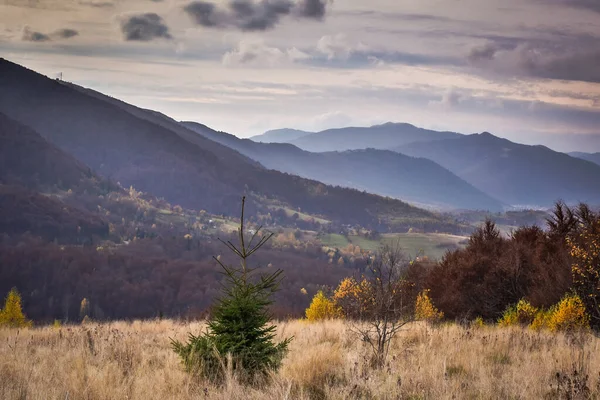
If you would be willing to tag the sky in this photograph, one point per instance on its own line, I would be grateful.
(528, 70)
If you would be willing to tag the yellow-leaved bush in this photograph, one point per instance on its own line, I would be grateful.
(522, 313)
(11, 314)
(425, 310)
(569, 314)
(321, 308)
(352, 294)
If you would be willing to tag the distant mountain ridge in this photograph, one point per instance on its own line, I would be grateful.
(280, 135)
(593, 157)
(514, 173)
(377, 171)
(383, 137)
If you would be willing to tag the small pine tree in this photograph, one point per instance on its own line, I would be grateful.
(12, 313)
(239, 329)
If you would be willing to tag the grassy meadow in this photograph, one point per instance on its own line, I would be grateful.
(432, 245)
(134, 360)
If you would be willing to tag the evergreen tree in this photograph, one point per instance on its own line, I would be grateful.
(239, 336)
(12, 313)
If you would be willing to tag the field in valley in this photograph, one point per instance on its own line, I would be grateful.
(432, 245)
(123, 360)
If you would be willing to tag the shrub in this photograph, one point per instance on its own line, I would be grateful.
(541, 320)
(568, 315)
(477, 323)
(425, 310)
(382, 303)
(585, 250)
(11, 314)
(351, 294)
(322, 308)
(522, 313)
(239, 337)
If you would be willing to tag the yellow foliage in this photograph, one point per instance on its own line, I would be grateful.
(322, 308)
(541, 320)
(478, 323)
(12, 313)
(425, 310)
(353, 294)
(569, 314)
(523, 313)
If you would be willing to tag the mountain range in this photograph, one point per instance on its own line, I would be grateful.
(361, 176)
(383, 172)
(385, 137)
(155, 154)
(513, 174)
(516, 174)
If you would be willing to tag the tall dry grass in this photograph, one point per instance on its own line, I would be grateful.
(134, 361)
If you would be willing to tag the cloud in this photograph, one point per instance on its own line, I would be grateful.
(451, 99)
(311, 8)
(567, 60)
(257, 53)
(337, 46)
(33, 36)
(593, 5)
(339, 51)
(247, 15)
(97, 4)
(144, 28)
(65, 33)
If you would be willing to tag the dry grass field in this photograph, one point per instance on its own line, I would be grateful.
(134, 361)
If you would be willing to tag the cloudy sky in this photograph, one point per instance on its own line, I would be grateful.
(528, 70)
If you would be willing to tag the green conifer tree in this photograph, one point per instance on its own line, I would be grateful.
(12, 313)
(239, 337)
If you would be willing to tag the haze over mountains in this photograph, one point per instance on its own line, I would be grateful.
(385, 136)
(195, 166)
(156, 154)
(514, 174)
(593, 157)
(383, 172)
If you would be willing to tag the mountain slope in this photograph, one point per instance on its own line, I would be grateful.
(514, 173)
(593, 157)
(28, 159)
(377, 171)
(280, 136)
(28, 165)
(386, 136)
(128, 145)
